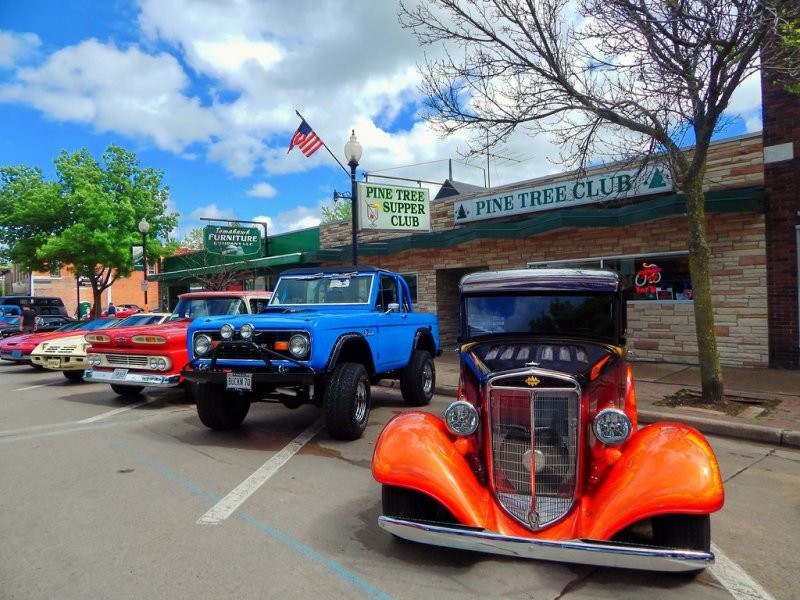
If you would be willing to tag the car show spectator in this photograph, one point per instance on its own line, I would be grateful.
(112, 310)
(27, 324)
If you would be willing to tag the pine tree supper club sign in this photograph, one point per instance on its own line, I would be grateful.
(594, 189)
(394, 208)
(232, 241)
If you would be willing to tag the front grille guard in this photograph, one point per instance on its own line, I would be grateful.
(254, 351)
(535, 436)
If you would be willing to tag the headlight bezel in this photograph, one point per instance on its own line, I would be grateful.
(299, 345)
(461, 418)
(205, 348)
(612, 427)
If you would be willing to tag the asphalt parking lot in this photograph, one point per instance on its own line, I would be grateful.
(105, 498)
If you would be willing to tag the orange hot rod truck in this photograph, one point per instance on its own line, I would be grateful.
(541, 456)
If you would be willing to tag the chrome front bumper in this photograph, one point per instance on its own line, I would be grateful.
(145, 379)
(585, 552)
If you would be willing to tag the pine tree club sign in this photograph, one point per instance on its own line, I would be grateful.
(602, 187)
(232, 241)
(389, 207)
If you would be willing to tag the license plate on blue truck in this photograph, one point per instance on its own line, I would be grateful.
(239, 381)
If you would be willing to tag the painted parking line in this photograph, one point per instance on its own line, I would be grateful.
(68, 427)
(226, 507)
(116, 411)
(735, 580)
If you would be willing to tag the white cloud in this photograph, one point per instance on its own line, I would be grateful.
(212, 211)
(16, 47)
(262, 190)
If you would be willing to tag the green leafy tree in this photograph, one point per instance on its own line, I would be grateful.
(340, 211)
(194, 239)
(610, 79)
(87, 219)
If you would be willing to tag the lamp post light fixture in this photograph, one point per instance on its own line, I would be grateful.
(352, 152)
(144, 229)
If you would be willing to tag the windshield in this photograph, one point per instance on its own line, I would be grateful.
(323, 289)
(140, 319)
(561, 315)
(208, 307)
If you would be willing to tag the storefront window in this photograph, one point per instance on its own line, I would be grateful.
(652, 277)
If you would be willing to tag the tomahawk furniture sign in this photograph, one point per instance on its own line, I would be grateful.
(602, 187)
(232, 241)
(394, 208)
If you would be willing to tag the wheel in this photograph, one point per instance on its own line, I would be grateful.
(403, 503)
(76, 375)
(347, 400)
(127, 390)
(687, 532)
(418, 379)
(219, 409)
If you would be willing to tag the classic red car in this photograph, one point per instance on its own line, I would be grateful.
(541, 455)
(18, 348)
(153, 355)
(123, 310)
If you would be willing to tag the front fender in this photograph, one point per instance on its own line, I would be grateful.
(416, 451)
(665, 468)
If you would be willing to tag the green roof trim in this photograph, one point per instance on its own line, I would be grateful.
(732, 201)
(296, 258)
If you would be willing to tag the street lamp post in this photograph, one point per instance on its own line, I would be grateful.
(144, 229)
(352, 152)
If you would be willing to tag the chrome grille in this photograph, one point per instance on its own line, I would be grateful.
(126, 360)
(534, 448)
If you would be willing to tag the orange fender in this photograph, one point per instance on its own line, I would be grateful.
(664, 468)
(416, 451)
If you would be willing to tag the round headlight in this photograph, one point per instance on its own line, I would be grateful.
(93, 360)
(226, 331)
(246, 331)
(612, 426)
(298, 345)
(157, 363)
(202, 344)
(461, 418)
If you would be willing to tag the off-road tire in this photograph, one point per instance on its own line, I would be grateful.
(418, 379)
(218, 409)
(411, 505)
(347, 401)
(127, 391)
(75, 375)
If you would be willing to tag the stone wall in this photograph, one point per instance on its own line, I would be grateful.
(658, 330)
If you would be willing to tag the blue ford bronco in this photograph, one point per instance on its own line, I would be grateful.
(325, 336)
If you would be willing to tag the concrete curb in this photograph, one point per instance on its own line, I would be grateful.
(733, 429)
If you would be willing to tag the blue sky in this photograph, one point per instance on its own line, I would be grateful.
(206, 92)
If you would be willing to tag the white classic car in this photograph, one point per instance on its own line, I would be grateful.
(68, 354)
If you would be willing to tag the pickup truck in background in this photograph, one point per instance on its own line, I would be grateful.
(153, 355)
(327, 334)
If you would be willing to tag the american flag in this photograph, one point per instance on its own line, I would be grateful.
(305, 139)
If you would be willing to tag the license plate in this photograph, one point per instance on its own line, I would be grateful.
(53, 363)
(119, 373)
(239, 381)
(16, 353)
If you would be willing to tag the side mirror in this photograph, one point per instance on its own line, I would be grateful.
(393, 307)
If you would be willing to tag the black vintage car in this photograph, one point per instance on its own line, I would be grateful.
(43, 323)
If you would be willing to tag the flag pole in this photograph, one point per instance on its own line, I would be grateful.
(324, 144)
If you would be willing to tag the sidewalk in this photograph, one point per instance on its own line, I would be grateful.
(779, 425)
